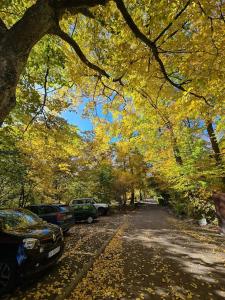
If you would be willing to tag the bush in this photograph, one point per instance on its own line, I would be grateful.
(200, 205)
(195, 204)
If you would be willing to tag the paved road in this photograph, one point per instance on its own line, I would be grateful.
(155, 256)
(81, 244)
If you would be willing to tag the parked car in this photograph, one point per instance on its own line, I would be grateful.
(102, 208)
(83, 211)
(58, 214)
(27, 245)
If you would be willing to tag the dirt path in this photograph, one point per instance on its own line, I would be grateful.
(155, 256)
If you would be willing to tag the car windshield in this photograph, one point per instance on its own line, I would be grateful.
(64, 208)
(14, 219)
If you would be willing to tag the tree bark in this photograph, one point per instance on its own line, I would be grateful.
(215, 148)
(219, 202)
(17, 42)
(168, 125)
(214, 143)
(124, 199)
(22, 196)
(141, 196)
(15, 46)
(176, 150)
(132, 198)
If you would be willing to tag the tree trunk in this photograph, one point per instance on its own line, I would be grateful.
(132, 198)
(16, 43)
(214, 143)
(215, 148)
(141, 197)
(15, 46)
(176, 150)
(22, 196)
(219, 201)
(124, 199)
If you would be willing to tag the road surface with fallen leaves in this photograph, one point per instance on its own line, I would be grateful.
(156, 256)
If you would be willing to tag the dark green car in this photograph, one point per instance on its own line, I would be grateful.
(83, 211)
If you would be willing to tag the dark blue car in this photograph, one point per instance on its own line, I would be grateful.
(28, 245)
(59, 214)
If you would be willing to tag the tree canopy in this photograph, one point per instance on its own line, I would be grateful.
(156, 69)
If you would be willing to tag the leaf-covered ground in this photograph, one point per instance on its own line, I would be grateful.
(155, 256)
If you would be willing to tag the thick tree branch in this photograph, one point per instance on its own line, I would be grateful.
(152, 46)
(67, 4)
(3, 28)
(214, 143)
(167, 123)
(171, 23)
(173, 34)
(41, 109)
(37, 21)
(2, 25)
(220, 17)
(64, 36)
(128, 19)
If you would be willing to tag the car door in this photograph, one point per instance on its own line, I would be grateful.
(87, 208)
(48, 213)
(79, 213)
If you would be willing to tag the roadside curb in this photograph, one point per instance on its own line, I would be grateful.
(67, 290)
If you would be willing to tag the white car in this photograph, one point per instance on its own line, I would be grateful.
(102, 208)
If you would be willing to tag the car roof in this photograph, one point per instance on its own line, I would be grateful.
(49, 204)
(10, 208)
(37, 205)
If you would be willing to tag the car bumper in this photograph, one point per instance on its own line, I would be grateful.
(67, 225)
(39, 262)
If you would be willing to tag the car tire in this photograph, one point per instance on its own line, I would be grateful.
(7, 276)
(101, 211)
(90, 220)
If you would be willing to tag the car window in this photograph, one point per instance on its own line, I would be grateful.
(47, 209)
(82, 207)
(76, 206)
(78, 201)
(64, 208)
(34, 209)
(14, 219)
(86, 206)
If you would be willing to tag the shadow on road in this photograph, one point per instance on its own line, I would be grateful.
(164, 259)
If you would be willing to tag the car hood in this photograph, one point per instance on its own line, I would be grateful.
(101, 204)
(40, 231)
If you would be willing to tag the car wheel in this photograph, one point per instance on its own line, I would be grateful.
(101, 211)
(7, 276)
(90, 220)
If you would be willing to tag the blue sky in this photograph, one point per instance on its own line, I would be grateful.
(76, 118)
(83, 123)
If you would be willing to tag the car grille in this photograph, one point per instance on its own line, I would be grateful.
(50, 243)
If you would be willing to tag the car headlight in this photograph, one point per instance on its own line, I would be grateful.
(31, 243)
